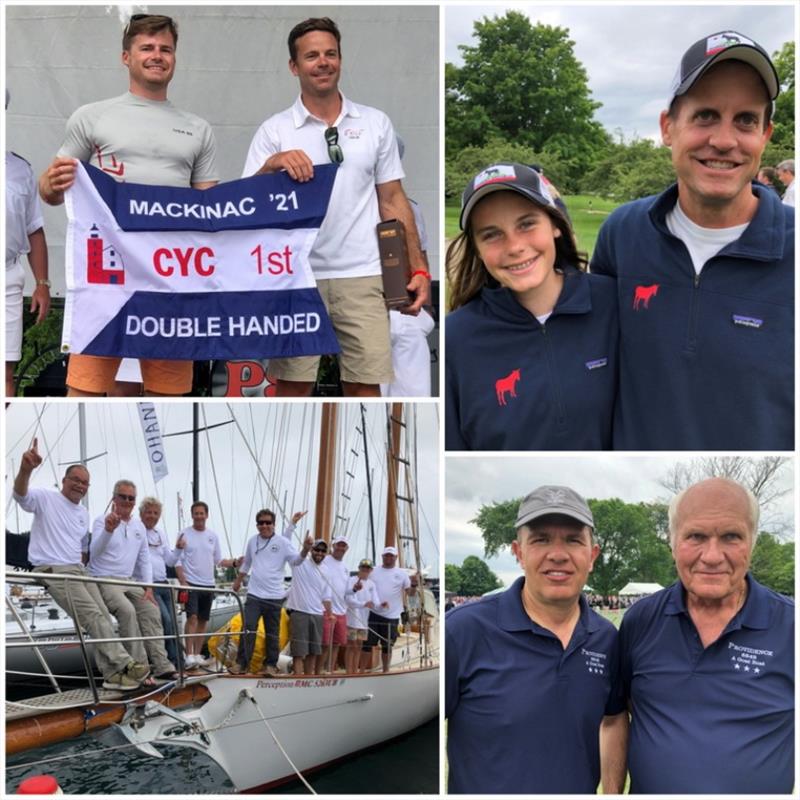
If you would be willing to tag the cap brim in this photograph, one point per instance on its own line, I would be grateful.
(543, 512)
(478, 195)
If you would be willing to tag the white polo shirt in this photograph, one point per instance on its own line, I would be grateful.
(59, 528)
(161, 556)
(264, 561)
(347, 245)
(357, 611)
(309, 588)
(338, 574)
(121, 553)
(23, 211)
(390, 584)
(199, 557)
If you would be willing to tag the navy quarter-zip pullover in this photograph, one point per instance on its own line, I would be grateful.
(512, 383)
(706, 361)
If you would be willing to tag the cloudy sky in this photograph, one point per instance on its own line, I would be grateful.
(282, 435)
(631, 52)
(475, 481)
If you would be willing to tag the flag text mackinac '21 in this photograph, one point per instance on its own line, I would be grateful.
(171, 273)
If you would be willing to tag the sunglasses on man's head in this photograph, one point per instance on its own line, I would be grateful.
(335, 153)
(139, 17)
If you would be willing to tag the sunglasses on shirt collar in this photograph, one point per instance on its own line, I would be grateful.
(335, 153)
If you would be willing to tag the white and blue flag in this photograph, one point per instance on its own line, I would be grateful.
(171, 273)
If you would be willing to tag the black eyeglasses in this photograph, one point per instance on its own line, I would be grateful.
(265, 522)
(335, 153)
(139, 17)
(131, 498)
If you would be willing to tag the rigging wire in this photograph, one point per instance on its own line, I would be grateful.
(216, 482)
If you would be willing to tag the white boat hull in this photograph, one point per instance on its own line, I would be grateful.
(317, 720)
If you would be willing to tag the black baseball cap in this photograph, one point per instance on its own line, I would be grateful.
(723, 46)
(508, 176)
(320, 544)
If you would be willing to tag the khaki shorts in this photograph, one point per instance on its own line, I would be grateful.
(356, 634)
(359, 316)
(97, 374)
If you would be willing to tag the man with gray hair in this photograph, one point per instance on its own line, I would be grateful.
(532, 696)
(58, 531)
(119, 550)
(161, 557)
(785, 172)
(708, 663)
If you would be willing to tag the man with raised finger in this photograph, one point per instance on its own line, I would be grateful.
(59, 532)
(119, 550)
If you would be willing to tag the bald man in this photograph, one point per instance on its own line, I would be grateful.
(708, 663)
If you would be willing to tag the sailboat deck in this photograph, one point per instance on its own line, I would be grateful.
(31, 706)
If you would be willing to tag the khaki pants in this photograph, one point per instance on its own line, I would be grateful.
(138, 617)
(90, 613)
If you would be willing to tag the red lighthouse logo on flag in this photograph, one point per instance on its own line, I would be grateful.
(103, 265)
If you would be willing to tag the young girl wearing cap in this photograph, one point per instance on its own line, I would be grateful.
(531, 343)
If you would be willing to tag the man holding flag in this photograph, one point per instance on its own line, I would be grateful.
(323, 126)
(138, 137)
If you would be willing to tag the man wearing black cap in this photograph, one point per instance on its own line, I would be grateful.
(309, 601)
(531, 674)
(705, 271)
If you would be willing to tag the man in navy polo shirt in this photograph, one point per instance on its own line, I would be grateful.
(708, 663)
(705, 271)
(531, 674)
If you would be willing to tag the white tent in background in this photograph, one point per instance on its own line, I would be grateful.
(640, 588)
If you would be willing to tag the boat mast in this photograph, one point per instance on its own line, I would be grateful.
(369, 481)
(395, 424)
(82, 446)
(195, 452)
(326, 473)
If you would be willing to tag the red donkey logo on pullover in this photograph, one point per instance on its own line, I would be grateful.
(642, 295)
(506, 384)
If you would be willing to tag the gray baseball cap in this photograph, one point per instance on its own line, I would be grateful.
(554, 500)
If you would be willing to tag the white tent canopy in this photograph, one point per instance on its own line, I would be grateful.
(640, 588)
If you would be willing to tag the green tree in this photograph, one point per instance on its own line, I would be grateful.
(632, 539)
(496, 522)
(524, 83)
(773, 563)
(783, 136)
(477, 578)
(630, 171)
(471, 160)
(452, 578)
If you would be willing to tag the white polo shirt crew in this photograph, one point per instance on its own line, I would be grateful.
(347, 245)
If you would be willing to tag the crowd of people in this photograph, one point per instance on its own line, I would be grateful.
(329, 608)
(133, 138)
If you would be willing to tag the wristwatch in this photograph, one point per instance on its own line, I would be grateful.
(43, 282)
